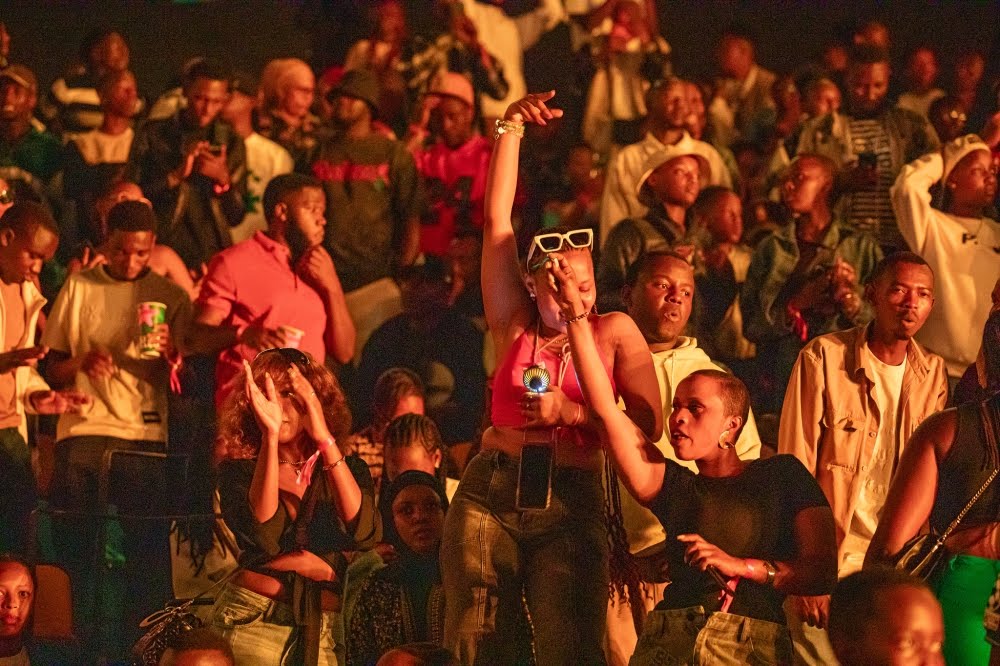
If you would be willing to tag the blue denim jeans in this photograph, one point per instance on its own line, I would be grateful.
(690, 636)
(262, 631)
(493, 556)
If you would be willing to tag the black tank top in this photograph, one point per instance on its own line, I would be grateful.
(965, 469)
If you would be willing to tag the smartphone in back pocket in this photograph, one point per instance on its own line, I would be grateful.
(534, 478)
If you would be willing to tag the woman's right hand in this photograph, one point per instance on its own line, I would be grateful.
(532, 108)
(266, 409)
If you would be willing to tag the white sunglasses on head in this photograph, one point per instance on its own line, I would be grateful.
(553, 242)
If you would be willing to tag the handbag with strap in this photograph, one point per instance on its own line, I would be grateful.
(163, 626)
(922, 555)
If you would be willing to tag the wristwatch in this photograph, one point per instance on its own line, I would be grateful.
(771, 570)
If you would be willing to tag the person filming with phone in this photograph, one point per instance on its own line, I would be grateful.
(527, 521)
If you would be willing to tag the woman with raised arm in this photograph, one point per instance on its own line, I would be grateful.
(954, 452)
(295, 504)
(532, 527)
(741, 534)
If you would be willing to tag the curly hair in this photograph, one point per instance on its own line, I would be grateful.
(238, 430)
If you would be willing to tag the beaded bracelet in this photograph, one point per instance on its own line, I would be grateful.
(582, 315)
(508, 127)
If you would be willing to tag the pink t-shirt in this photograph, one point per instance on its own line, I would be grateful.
(455, 181)
(252, 283)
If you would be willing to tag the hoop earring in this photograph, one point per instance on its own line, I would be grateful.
(722, 441)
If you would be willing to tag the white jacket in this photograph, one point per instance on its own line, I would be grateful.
(964, 271)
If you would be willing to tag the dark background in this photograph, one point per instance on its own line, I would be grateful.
(46, 34)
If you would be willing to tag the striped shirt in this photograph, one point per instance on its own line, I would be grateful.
(871, 209)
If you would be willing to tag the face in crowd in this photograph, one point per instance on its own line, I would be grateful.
(17, 102)
(582, 263)
(699, 420)
(304, 214)
(206, 98)
(910, 632)
(806, 186)
(973, 181)
(676, 181)
(671, 106)
(298, 92)
(725, 218)
(419, 518)
(17, 593)
(119, 95)
(902, 299)
(867, 87)
(23, 252)
(453, 119)
(660, 302)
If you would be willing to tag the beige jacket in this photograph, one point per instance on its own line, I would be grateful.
(26, 378)
(830, 419)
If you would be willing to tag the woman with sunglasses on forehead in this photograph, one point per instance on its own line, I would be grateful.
(554, 556)
(295, 504)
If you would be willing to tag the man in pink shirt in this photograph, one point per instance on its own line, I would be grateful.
(262, 292)
(454, 166)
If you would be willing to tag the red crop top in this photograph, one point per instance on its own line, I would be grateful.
(508, 382)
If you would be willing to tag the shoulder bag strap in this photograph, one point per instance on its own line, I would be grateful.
(991, 440)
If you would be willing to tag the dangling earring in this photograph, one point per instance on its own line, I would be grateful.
(722, 441)
(531, 295)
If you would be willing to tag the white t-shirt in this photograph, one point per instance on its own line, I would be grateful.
(888, 380)
(95, 311)
(265, 160)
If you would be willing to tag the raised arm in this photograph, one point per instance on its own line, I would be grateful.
(504, 297)
(638, 462)
(911, 198)
(913, 489)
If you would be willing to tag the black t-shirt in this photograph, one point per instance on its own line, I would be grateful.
(750, 515)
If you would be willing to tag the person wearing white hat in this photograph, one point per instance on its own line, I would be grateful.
(670, 181)
(669, 113)
(959, 242)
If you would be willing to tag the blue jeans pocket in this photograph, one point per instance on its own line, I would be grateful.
(235, 609)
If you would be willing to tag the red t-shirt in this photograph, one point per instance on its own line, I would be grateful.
(455, 180)
(252, 283)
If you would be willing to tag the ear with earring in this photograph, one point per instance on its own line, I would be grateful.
(723, 444)
(531, 295)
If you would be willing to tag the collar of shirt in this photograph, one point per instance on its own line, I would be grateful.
(915, 356)
(279, 250)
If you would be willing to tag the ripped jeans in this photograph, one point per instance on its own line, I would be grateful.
(556, 560)
(262, 632)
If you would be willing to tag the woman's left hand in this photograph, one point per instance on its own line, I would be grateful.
(548, 409)
(701, 555)
(562, 279)
(315, 421)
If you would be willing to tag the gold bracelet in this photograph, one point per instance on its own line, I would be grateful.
(508, 127)
(327, 468)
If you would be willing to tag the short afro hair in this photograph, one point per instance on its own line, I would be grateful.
(283, 186)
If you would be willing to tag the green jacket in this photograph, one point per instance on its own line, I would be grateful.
(771, 270)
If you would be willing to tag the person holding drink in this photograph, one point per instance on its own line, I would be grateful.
(278, 288)
(100, 347)
(527, 521)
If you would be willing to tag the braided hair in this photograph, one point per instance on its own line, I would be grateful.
(416, 430)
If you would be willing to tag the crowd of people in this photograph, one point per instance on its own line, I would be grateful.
(399, 363)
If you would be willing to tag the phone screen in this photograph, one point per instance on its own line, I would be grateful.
(534, 478)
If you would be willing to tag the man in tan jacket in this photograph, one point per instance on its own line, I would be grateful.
(853, 401)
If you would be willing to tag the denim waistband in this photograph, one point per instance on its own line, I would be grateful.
(738, 626)
(502, 460)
